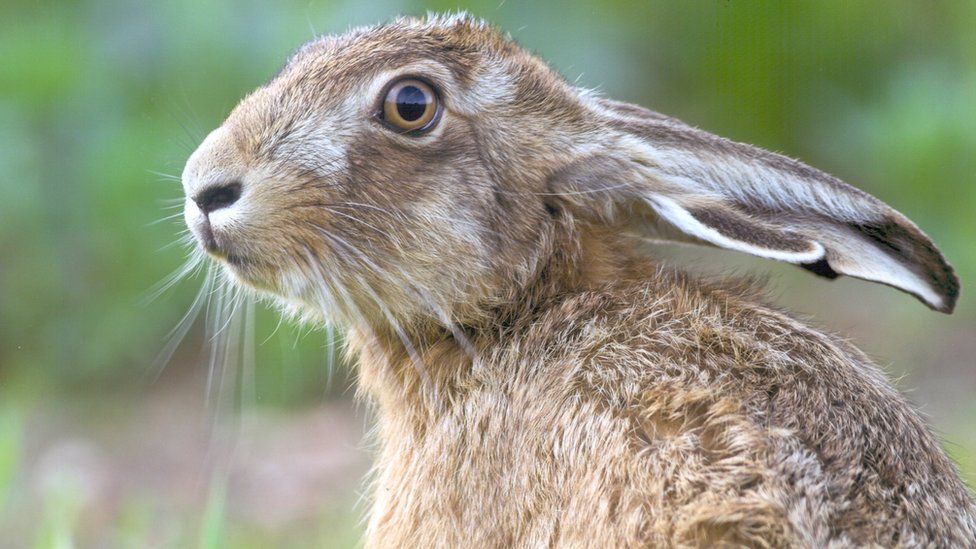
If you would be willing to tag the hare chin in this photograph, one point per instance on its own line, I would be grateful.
(252, 277)
(296, 294)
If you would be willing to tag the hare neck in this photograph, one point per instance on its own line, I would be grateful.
(417, 371)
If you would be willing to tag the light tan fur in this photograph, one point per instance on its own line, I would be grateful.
(538, 382)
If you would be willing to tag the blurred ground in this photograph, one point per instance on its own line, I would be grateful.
(159, 470)
(101, 101)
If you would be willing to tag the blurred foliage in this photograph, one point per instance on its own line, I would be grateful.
(97, 97)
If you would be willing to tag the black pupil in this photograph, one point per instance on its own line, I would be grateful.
(411, 103)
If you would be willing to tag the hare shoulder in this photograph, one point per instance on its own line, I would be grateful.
(660, 409)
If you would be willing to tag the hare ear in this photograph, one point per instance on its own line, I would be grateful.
(686, 184)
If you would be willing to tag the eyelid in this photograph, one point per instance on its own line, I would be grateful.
(432, 81)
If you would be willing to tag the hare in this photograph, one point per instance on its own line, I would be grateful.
(475, 222)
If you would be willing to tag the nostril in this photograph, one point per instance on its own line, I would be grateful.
(218, 196)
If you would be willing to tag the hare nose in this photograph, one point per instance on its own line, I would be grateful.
(218, 196)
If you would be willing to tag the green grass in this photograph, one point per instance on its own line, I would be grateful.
(11, 441)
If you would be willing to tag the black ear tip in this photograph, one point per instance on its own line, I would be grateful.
(950, 293)
(941, 277)
(946, 306)
(947, 284)
(946, 287)
(905, 242)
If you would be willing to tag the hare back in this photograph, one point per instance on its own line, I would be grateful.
(695, 417)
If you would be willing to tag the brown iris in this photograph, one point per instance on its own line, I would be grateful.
(410, 105)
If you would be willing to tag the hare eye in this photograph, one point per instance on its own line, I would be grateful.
(410, 105)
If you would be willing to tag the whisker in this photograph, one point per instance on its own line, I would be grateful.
(329, 358)
(351, 310)
(224, 387)
(352, 249)
(415, 357)
(249, 396)
(226, 327)
(166, 176)
(273, 332)
(215, 350)
(164, 219)
(235, 302)
(398, 215)
(172, 206)
(414, 288)
(566, 193)
(187, 119)
(446, 321)
(193, 262)
(356, 219)
(188, 145)
(175, 336)
(184, 238)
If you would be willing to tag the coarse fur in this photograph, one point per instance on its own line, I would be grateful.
(539, 381)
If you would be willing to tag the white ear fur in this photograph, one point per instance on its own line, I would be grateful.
(707, 189)
(682, 220)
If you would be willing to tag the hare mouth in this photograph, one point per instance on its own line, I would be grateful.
(236, 260)
(221, 252)
(220, 247)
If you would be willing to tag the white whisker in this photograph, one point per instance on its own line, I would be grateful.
(381, 232)
(191, 265)
(415, 357)
(168, 177)
(175, 337)
(165, 219)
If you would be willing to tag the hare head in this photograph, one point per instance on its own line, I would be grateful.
(431, 167)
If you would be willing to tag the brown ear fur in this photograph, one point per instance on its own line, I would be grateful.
(702, 188)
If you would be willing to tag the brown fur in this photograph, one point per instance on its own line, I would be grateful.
(538, 382)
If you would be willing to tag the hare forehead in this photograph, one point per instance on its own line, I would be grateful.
(299, 119)
(472, 59)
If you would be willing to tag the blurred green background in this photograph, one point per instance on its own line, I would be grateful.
(100, 446)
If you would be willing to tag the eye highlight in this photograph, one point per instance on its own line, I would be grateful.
(410, 105)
